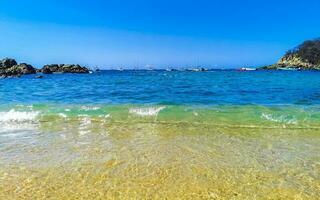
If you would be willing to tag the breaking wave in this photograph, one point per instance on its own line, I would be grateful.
(148, 111)
(279, 119)
(246, 116)
(18, 116)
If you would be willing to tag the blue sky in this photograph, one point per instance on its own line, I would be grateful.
(221, 33)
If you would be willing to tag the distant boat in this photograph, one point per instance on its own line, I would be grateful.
(172, 69)
(120, 69)
(149, 68)
(201, 69)
(247, 69)
(288, 69)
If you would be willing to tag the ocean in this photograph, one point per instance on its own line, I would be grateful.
(220, 134)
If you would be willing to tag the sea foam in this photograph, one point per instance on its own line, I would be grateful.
(148, 111)
(280, 119)
(18, 116)
(14, 123)
(89, 108)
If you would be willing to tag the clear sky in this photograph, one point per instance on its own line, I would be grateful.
(219, 33)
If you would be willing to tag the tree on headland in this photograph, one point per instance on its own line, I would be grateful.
(308, 51)
(305, 56)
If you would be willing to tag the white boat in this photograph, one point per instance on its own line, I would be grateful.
(120, 69)
(247, 69)
(200, 69)
(288, 69)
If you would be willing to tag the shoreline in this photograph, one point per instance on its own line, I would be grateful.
(128, 152)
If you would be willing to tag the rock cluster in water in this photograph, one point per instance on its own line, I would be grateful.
(63, 68)
(10, 68)
(304, 57)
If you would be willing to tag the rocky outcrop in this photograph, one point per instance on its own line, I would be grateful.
(24, 68)
(64, 68)
(304, 57)
(7, 63)
(292, 62)
(10, 68)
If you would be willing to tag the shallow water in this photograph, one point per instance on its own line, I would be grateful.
(57, 143)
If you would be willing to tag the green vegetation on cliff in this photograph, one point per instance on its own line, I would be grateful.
(306, 56)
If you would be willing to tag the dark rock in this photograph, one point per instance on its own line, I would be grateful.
(7, 63)
(39, 76)
(24, 68)
(20, 69)
(49, 69)
(10, 68)
(64, 68)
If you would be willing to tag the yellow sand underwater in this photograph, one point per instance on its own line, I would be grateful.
(88, 158)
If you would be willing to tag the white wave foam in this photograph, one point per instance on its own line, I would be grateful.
(83, 115)
(149, 111)
(88, 108)
(279, 119)
(105, 116)
(84, 126)
(15, 123)
(18, 116)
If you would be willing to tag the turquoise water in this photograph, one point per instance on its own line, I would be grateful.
(161, 135)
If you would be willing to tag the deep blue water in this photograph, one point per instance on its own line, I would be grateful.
(162, 87)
